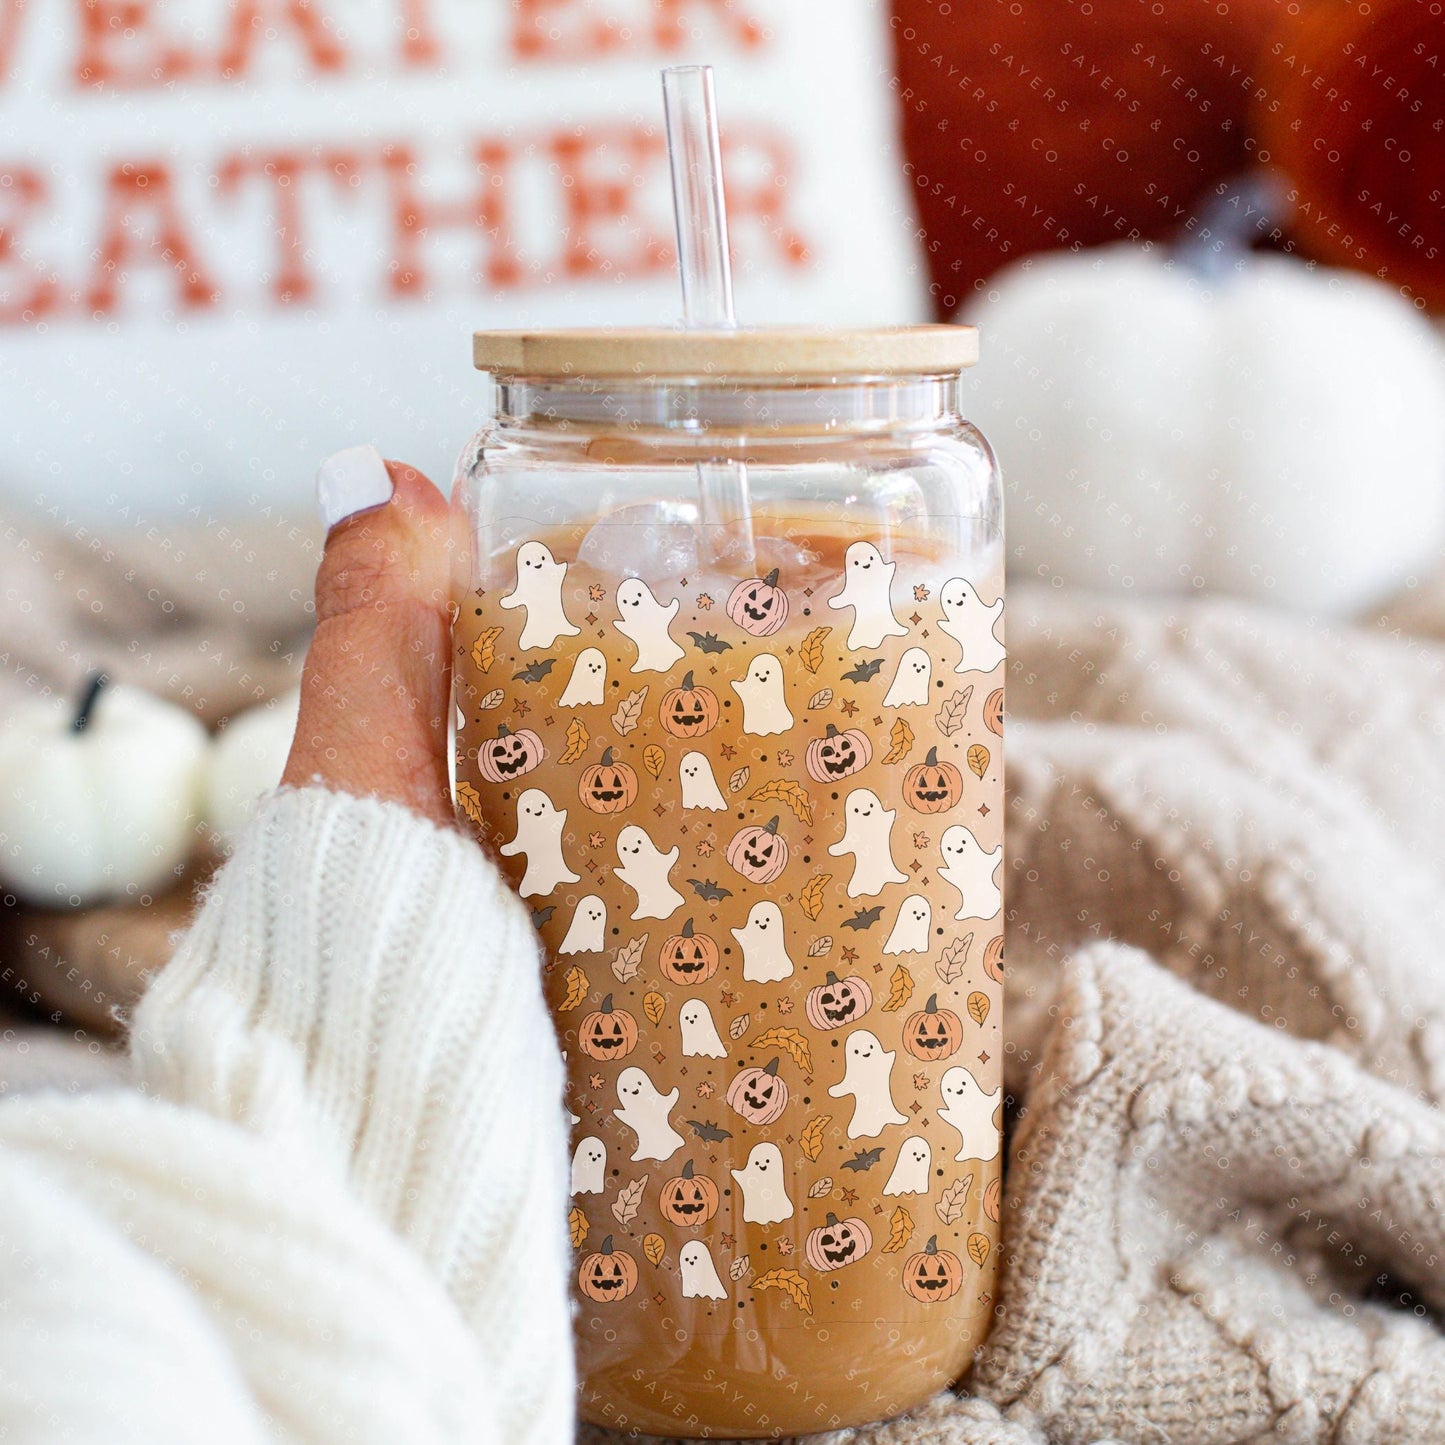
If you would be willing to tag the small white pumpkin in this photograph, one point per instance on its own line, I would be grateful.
(246, 759)
(1276, 432)
(97, 798)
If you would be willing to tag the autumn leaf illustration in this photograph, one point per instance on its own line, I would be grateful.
(978, 1248)
(978, 759)
(739, 1267)
(790, 1040)
(470, 802)
(625, 1206)
(811, 1138)
(739, 780)
(629, 712)
(654, 759)
(901, 738)
(900, 1230)
(992, 1197)
(577, 1224)
(955, 958)
(811, 898)
(820, 699)
(785, 790)
(492, 699)
(654, 1005)
(577, 740)
(820, 946)
(654, 1247)
(739, 1026)
(900, 990)
(484, 649)
(577, 987)
(950, 715)
(954, 1199)
(822, 1187)
(792, 1283)
(629, 960)
(811, 652)
(978, 1006)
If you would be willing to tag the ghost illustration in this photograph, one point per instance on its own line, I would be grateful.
(589, 678)
(539, 837)
(865, 1075)
(765, 1192)
(699, 787)
(589, 1166)
(539, 590)
(970, 623)
(910, 1172)
(587, 931)
(969, 869)
(699, 1033)
(765, 949)
(699, 1273)
(969, 1110)
(910, 683)
(644, 870)
(866, 827)
(765, 709)
(866, 580)
(644, 623)
(910, 928)
(645, 1112)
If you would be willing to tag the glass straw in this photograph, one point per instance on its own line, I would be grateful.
(724, 505)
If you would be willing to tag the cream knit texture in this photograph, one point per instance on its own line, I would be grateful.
(335, 1208)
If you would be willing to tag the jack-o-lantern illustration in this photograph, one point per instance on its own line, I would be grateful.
(837, 1242)
(993, 959)
(607, 1033)
(688, 957)
(931, 786)
(759, 852)
(837, 755)
(510, 755)
(608, 786)
(608, 1275)
(933, 1032)
(758, 1094)
(689, 711)
(759, 606)
(993, 711)
(933, 1274)
(838, 1001)
(688, 1199)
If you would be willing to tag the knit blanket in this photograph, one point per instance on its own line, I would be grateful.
(1225, 1188)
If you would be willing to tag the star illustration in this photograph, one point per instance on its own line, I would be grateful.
(729, 751)
(915, 1106)
(983, 1057)
(850, 1196)
(850, 955)
(785, 758)
(920, 592)
(983, 809)
(595, 1081)
(704, 601)
(915, 619)
(706, 1089)
(521, 707)
(726, 1240)
(728, 997)
(850, 708)
(596, 592)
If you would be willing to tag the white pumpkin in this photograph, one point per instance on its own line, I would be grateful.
(1275, 432)
(247, 758)
(97, 799)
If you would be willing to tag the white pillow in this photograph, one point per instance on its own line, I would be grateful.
(133, 381)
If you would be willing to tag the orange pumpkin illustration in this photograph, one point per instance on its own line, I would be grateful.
(688, 1199)
(689, 711)
(759, 852)
(608, 1275)
(758, 1094)
(510, 755)
(607, 1033)
(931, 786)
(993, 711)
(608, 786)
(837, 1001)
(993, 959)
(837, 754)
(933, 1274)
(837, 1242)
(759, 606)
(933, 1032)
(688, 957)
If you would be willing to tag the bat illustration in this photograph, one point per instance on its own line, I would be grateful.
(541, 915)
(710, 1132)
(709, 642)
(864, 918)
(864, 1159)
(705, 888)
(536, 672)
(863, 671)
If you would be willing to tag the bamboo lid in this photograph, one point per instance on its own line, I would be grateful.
(784, 351)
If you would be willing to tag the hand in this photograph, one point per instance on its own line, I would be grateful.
(377, 682)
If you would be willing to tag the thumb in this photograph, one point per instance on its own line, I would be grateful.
(377, 681)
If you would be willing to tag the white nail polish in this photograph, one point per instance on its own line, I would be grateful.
(350, 481)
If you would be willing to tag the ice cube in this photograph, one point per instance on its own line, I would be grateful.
(656, 541)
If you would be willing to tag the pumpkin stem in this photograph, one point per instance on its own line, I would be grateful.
(930, 1248)
(687, 929)
(831, 978)
(1223, 233)
(771, 826)
(687, 1170)
(93, 686)
(931, 1007)
(607, 758)
(832, 731)
(503, 731)
(831, 1221)
(772, 1066)
(687, 684)
(606, 1246)
(931, 761)
(771, 580)
(606, 1005)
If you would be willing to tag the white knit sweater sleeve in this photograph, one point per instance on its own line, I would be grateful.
(361, 986)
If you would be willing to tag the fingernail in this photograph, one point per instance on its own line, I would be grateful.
(350, 481)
